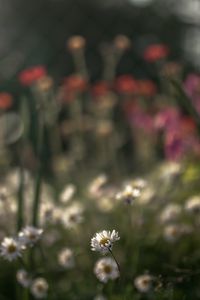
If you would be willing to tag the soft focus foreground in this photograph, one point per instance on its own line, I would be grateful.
(99, 194)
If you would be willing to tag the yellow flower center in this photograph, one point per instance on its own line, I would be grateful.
(107, 269)
(40, 287)
(104, 241)
(146, 282)
(11, 248)
(32, 236)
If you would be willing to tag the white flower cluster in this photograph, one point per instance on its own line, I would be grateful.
(38, 286)
(106, 268)
(11, 248)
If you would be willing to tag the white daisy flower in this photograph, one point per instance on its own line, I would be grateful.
(128, 194)
(4, 194)
(23, 278)
(67, 194)
(30, 235)
(72, 215)
(172, 232)
(13, 179)
(170, 213)
(105, 204)
(66, 258)
(147, 194)
(95, 187)
(49, 213)
(143, 283)
(106, 269)
(193, 205)
(170, 170)
(103, 241)
(39, 288)
(10, 249)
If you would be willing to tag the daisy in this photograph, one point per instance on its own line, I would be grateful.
(47, 212)
(23, 278)
(193, 205)
(4, 194)
(39, 288)
(73, 215)
(106, 269)
(128, 194)
(30, 235)
(170, 213)
(143, 283)
(66, 258)
(103, 241)
(172, 232)
(10, 249)
(95, 187)
(67, 194)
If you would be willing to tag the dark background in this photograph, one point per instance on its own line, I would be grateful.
(35, 32)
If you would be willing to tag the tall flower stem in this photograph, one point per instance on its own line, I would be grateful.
(113, 256)
(20, 200)
(38, 181)
(20, 220)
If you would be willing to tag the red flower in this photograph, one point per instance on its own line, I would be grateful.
(147, 88)
(6, 100)
(29, 76)
(75, 83)
(126, 84)
(100, 89)
(188, 126)
(71, 86)
(156, 52)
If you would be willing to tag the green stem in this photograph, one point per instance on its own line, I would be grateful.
(118, 266)
(38, 181)
(20, 220)
(36, 204)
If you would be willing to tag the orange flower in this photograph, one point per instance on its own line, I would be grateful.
(31, 75)
(156, 52)
(126, 84)
(147, 88)
(100, 89)
(6, 100)
(75, 83)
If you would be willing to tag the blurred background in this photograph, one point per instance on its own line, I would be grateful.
(100, 100)
(35, 32)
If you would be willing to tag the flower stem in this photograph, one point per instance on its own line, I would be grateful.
(118, 266)
(38, 181)
(20, 200)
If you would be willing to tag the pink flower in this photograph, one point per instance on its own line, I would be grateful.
(192, 89)
(181, 139)
(166, 118)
